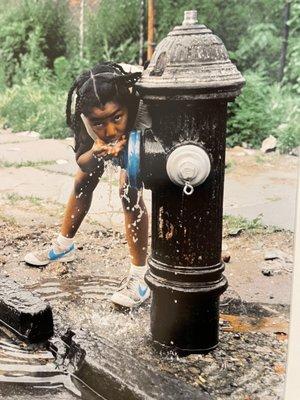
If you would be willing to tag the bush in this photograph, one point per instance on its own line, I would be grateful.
(284, 111)
(263, 109)
(248, 122)
(113, 32)
(35, 107)
(28, 24)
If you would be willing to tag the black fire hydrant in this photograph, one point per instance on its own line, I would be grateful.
(187, 86)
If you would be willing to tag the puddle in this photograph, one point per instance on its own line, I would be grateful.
(83, 287)
(244, 323)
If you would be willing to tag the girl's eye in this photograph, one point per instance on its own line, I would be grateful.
(117, 118)
(100, 125)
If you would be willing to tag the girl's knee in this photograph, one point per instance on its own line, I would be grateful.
(84, 186)
(128, 196)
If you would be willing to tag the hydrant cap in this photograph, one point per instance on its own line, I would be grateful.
(191, 62)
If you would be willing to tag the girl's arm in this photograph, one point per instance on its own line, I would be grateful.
(92, 158)
(87, 162)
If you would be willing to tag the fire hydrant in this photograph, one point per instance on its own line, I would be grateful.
(186, 86)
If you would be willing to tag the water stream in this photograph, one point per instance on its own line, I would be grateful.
(34, 371)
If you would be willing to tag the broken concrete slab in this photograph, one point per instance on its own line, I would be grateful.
(115, 374)
(24, 313)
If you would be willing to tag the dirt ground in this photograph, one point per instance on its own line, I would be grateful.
(249, 363)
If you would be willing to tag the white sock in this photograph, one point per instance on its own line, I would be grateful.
(138, 270)
(64, 241)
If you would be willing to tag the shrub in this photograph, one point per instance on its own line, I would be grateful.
(248, 122)
(113, 32)
(34, 107)
(263, 109)
(40, 24)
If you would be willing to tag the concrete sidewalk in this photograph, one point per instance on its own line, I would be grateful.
(255, 184)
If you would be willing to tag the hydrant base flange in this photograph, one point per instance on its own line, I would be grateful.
(185, 315)
(185, 322)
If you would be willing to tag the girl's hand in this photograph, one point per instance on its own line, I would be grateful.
(100, 148)
(118, 147)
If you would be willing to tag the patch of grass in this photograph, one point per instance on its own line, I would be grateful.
(232, 225)
(7, 219)
(24, 164)
(229, 166)
(14, 198)
(259, 159)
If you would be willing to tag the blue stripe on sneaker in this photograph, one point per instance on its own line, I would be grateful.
(53, 256)
(142, 290)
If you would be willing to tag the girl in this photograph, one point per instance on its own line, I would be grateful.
(106, 109)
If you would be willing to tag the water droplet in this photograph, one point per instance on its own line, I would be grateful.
(175, 301)
(171, 342)
(91, 174)
(72, 216)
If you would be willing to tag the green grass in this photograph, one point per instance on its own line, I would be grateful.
(14, 198)
(229, 166)
(34, 164)
(233, 225)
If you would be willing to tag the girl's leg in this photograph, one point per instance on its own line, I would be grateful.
(136, 221)
(77, 207)
(79, 202)
(135, 290)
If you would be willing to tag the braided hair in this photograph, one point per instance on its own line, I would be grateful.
(105, 82)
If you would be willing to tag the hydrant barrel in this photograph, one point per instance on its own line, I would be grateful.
(187, 86)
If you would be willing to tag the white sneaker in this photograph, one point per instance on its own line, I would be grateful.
(54, 253)
(132, 293)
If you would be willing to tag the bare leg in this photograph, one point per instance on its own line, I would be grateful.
(136, 221)
(79, 202)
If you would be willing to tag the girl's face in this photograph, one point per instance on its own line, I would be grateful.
(109, 122)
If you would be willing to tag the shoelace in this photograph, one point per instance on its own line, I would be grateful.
(128, 284)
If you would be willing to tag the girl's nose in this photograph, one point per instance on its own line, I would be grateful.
(110, 131)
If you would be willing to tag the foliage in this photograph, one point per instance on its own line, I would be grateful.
(113, 32)
(263, 109)
(259, 49)
(32, 29)
(284, 111)
(292, 71)
(34, 107)
(248, 122)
